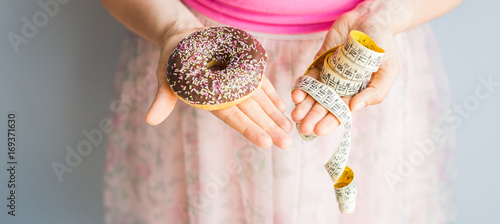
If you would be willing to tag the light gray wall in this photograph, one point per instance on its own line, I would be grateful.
(59, 84)
(468, 38)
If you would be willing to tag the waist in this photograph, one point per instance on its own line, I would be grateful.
(274, 17)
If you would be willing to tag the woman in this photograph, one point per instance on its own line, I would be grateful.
(192, 168)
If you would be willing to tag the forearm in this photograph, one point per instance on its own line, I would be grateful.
(154, 20)
(400, 15)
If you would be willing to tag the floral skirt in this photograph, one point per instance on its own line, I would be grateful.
(193, 168)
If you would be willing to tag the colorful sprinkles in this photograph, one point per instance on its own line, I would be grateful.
(241, 60)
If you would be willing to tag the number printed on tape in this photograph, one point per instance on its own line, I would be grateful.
(346, 71)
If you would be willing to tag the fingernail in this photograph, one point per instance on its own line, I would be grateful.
(282, 107)
(358, 106)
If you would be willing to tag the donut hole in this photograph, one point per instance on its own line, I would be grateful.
(217, 65)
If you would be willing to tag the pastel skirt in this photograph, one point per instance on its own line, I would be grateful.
(193, 168)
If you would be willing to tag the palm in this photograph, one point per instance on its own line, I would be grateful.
(260, 118)
(313, 116)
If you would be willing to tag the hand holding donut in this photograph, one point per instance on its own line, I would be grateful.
(311, 115)
(244, 99)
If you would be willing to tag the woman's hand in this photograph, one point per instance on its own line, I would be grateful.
(311, 115)
(379, 19)
(165, 99)
(260, 118)
(266, 123)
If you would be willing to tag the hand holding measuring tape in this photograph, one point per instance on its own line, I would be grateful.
(313, 116)
(346, 71)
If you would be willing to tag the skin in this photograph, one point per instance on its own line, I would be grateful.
(260, 119)
(380, 20)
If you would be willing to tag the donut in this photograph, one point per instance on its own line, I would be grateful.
(216, 67)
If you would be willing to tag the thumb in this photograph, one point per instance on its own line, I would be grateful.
(378, 88)
(164, 101)
(370, 96)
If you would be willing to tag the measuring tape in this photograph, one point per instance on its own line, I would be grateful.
(346, 71)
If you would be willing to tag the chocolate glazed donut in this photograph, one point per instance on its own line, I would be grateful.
(216, 68)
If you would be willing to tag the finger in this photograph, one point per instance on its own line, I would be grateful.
(270, 109)
(165, 98)
(268, 88)
(301, 110)
(378, 88)
(329, 122)
(298, 96)
(312, 118)
(240, 122)
(163, 103)
(252, 109)
(326, 125)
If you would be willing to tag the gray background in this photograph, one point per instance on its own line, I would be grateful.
(60, 82)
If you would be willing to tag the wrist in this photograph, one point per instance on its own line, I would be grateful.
(185, 21)
(393, 15)
(176, 28)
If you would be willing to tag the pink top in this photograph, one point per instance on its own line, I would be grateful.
(275, 16)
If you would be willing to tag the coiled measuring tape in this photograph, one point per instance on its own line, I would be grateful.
(346, 71)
